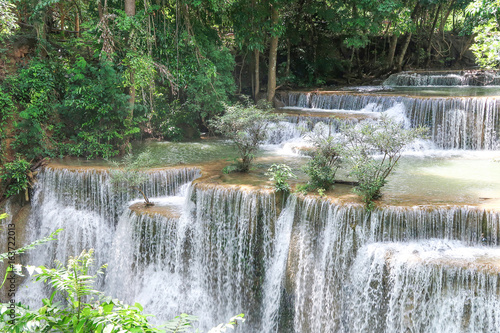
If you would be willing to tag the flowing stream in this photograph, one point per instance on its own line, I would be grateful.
(296, 264)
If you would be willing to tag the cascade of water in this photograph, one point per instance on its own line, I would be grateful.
(84, 204)
(326, 238)
(406, 79)
(314, 266)
(455, 123)
(294, 127)
(212, 256)
(432, 286)
(276, 267)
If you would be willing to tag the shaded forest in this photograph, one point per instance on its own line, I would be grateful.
(86, 78)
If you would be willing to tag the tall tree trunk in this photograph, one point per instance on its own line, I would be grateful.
(130, 11)
(256, 75)
(130, 7)
(62, 14)
(399, 62)
(77, 25)
(445, 17)
(400, 58)
(273, 53)
(99, 9)
(431, 33)
(392, 51)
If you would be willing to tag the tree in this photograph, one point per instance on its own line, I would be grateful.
(325, 160)
(273, 53)
(245, 125)
(485, 15)
(131, 174)
(385, 137)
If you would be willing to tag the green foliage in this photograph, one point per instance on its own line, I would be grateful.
(486, 45)
(15, 268)
(96, 112)
(73, 280)
(483, 20)
(8, 21)
(7, 110)
(325, 161)
(386, 138)
(302, 189)
(30, 246)
(37, 90)
(246, 126)
(15, 177)
(280, 174)
(87, 310)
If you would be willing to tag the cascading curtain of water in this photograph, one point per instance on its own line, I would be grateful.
(454, 123)
(429, 286)
(467, 78)
(87, 207)
(307, 265)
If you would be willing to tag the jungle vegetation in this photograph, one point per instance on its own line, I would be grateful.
(85, 78)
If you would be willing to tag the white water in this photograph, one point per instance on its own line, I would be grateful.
(431, 286)
(231, 252)
(276, 267)
(463, 78)
(306, 266)
(455, 123)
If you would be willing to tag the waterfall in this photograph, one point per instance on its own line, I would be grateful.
(276, 267)
(460, 78)
(307, 265)
(86, 206)
(295, 127)
(209, 262)
(431, 286)
(455, 123)
(329, 241)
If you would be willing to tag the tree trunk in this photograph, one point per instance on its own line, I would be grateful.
(130, 7)
(392, 51)
(130, 11)
(400, 58)
(431, 33)
(77, 25)
(256, 75)
(273, 53)
(445, 17)
(99, 9)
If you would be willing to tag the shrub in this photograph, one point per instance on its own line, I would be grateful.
(246, 126)
(15, 177)
(280, 174)
(325, 161)
(386, 138)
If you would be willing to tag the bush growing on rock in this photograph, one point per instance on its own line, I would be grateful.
(246, 125)
(325, 161)
(373, 150)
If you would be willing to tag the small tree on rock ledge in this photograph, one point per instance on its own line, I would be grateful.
(130, 175)
(247, 127)
(373, 149)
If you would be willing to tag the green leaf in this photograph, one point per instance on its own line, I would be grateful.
(109, 328)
